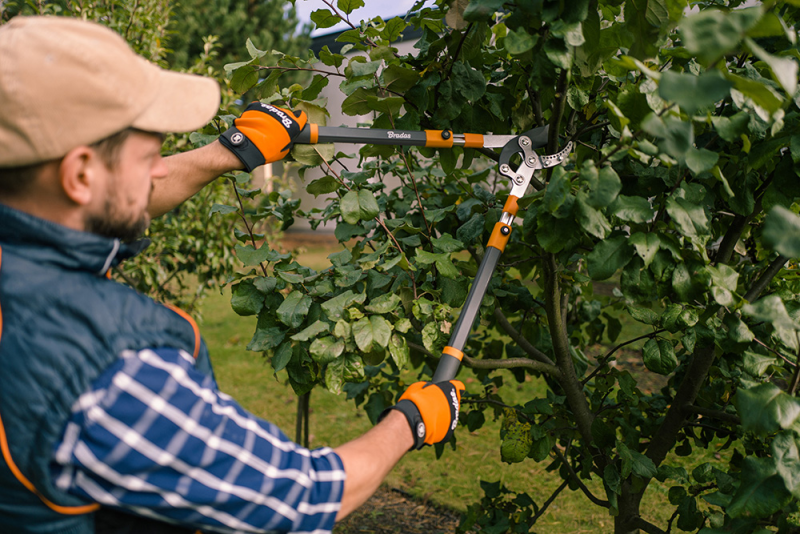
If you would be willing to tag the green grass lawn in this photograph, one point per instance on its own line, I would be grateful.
(453, 480)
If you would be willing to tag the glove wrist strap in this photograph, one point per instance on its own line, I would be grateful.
(247, 152)
(417, 427)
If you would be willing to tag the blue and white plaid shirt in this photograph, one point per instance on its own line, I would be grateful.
(155, 437)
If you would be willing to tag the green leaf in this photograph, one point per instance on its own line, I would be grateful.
(246, 299)
(293, 310)
(358, 102)
(692, 92)
(731, 128)
(644, 315)
(249, 256)
(761, 492)
(312, 331)
(690, 218)
(326, 349)
(348, 6)
(244, 79)
(399, 79)
(787, 461)
(642, 466)
(471, 231)
(591, 220)
(222, 209)
(323, 18)
(358, 206)
(268, 334)
(659, 356)
(605, 190)
(757, 364)
(390, 105)
(782, 232)
(479, 10)
(677, 136)
(398, 349)
(738, 332)
(384, 303)
(313, 155)
(369, 330)
(772, 310)
(518, 41)
(784, 69)
(760, 93)
(631, 209)
(608, 257)
(282, 356)
(646, 245)
(701, 160)
(765, 409)
(712, 34)
(446, 243)
(468, 82)
(557, 191)
(323, 186)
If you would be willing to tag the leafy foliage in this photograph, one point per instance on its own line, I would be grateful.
(269, 23)
(190, 253)
(681, 192)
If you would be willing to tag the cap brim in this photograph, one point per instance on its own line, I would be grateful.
(183, 102)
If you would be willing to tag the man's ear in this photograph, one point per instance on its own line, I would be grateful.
(78, 174)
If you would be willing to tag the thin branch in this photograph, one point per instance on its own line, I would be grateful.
(547, 504)
(601, 362)
(796, 377)
(713, 414)
(247, 224)
(519, 339)
(766, 277)
(579, 482)
(378, 219)
(508, 363)
(458, 50)
(775, 352)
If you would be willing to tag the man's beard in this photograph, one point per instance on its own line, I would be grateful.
(110, 224)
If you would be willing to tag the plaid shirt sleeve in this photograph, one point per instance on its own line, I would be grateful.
(155, 437)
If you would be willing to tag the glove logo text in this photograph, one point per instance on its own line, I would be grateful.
(454, 400)
(285, 120)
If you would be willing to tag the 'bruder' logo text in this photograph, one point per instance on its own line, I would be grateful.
(399, 135)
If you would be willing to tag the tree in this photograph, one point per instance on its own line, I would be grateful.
(270, 24)
(188, 255)
(681, 192)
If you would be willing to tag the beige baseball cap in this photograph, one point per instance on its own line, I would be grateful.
(67, 82)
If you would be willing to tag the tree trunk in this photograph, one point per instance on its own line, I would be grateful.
(629, 503)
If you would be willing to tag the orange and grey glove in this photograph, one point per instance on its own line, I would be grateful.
(431, 410)
(263, 134)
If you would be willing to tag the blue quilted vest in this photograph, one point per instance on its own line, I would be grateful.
(62, 322)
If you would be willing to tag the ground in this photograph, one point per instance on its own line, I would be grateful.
(395, 511)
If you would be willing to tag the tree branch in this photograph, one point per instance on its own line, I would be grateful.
(638, 522)
(569, 380)
(547, 504)
(602, 361)
(579, 482)
(713, 414)
(519, 339)
(766, 277)
(508, 363)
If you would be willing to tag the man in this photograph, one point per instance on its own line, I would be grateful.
(110, 418)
